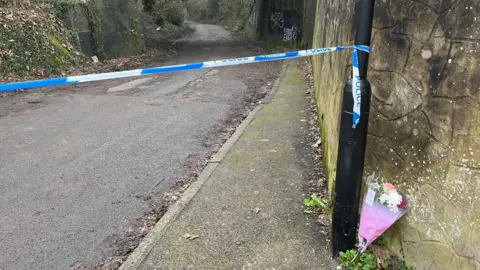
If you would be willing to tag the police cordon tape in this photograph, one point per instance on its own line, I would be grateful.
(356, 90)
(200, 65)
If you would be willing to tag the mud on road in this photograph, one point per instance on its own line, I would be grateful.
(86, 172)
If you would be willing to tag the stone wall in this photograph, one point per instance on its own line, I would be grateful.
(107, 28)
(424, 132)
(333, 26)
(76, 19)
(121, 28)
(252, 22)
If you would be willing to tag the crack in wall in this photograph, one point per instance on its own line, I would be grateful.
(386, 27)
(380, 100)
(463, 39)
(377, 161)
(449, 8)
(374, 135)
(445, 65)
(438, 191)
(430, 129)
(426, 5)
(403, 77)
(434, 242)
(464, 166)
(408, 55)
(405, 114)
(456, 98)
(382, 140)
(380, 113)
(432, 33)
(464, 257)
(453, 251)
(452, 126)
(435, 218)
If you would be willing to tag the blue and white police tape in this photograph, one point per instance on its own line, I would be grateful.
(210, 64)
(356, 91)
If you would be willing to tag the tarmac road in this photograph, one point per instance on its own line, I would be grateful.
(77, 163)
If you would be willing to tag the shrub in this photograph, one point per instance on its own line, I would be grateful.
(52, 52)
(231, 13)
(159, 18)
(355, 261)
(173, 11)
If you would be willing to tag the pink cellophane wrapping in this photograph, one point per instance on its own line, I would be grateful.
(375, 219)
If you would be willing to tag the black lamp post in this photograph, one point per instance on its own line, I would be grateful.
(352, 143)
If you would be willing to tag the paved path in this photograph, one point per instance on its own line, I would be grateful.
(249, 214)
(77, 164)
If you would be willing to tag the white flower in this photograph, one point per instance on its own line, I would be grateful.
(391, 199)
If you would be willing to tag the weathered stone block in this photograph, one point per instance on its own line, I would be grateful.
(121, 29)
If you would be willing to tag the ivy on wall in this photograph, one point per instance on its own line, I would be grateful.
(34, 42)
(62, 9)
(94, 24)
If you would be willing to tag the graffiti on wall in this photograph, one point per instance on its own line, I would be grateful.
(253, 18)
(290, 34)
(284, 24)
(277, 20)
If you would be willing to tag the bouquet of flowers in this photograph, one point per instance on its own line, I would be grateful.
(382, 206)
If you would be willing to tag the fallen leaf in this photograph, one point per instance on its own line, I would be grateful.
(381, 253)
(190, 236)
(256, 210)
(317, 144)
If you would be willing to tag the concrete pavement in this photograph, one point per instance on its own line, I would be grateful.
(248, 213)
